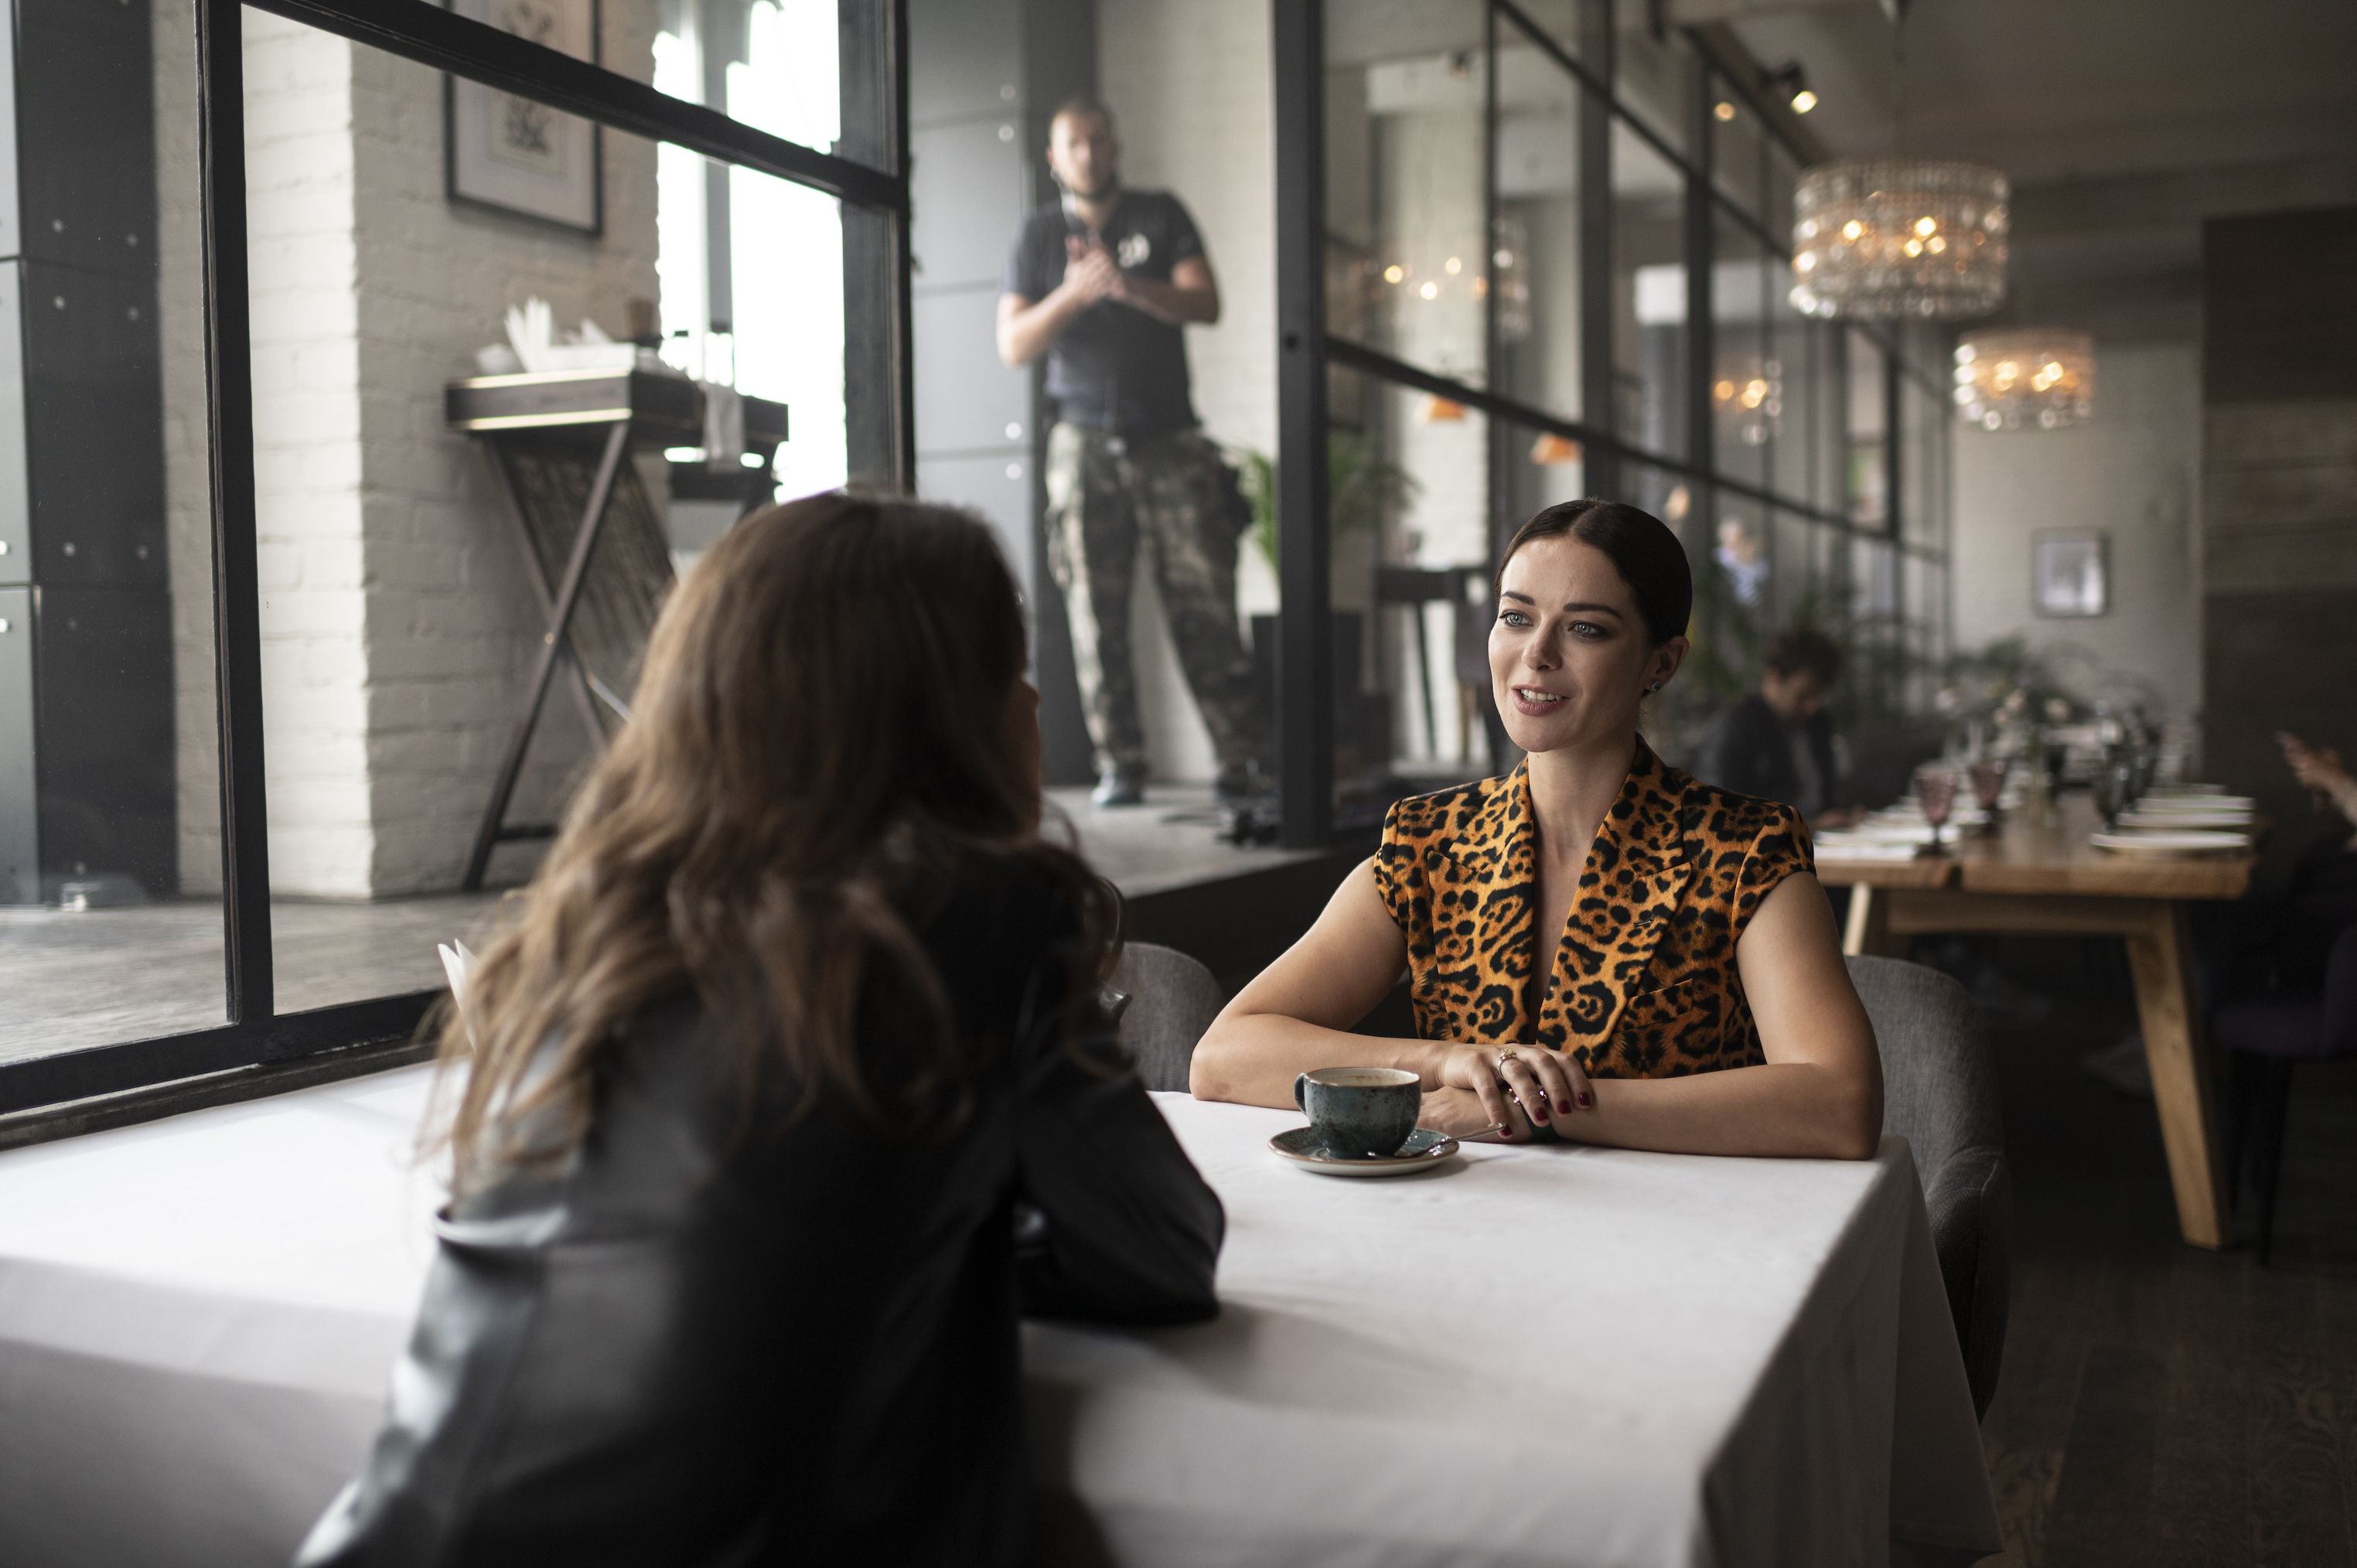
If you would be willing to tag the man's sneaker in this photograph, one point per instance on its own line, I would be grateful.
(1121, 787)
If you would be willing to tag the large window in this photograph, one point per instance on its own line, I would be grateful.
(288, 474)
(1555, 257)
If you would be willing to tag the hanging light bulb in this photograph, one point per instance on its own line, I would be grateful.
(2025, 378)
(1789, 82)
(1881, 237)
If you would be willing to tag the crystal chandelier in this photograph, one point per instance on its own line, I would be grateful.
(1881, 237)
(2025, 380)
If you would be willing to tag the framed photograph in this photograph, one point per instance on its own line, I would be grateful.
(2072, 574)
(513, 154)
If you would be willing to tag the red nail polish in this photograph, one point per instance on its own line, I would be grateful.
(1585, 1099)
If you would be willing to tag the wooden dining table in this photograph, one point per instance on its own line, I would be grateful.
(2048, 878)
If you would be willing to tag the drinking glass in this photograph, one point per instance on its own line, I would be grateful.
(2114, 786)
(1936, 787)
(1988, 784)
(2146, 763)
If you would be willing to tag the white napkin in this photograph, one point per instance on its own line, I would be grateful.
(724, 428)
(532, 334)
(456, 963)
(1831, 848)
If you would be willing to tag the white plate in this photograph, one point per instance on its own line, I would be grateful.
(2177, 822)
(2172, 843)
(1916, 831)
(1872, 849)
(2177, 804)
(1423, 1149)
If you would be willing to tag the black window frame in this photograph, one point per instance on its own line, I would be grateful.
(1307, 348)
(259, 1050)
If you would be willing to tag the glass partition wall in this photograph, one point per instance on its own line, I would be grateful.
(313, 586)
(1545, 255)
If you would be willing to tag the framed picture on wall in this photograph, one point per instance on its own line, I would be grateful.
(514, 154)
(2072, 574)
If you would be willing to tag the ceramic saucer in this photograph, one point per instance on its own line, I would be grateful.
(1424, 1148)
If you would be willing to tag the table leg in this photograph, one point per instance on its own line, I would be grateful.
(2178, 1051)
(1867, 933)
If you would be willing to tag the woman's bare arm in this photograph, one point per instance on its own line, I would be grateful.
(1820, 1092)
(1295, 1015)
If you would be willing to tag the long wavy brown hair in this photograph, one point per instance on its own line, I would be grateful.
(821, 726)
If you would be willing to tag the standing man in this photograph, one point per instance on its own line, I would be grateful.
(1105, 283)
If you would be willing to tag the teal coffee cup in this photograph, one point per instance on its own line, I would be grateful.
(1359, 1113)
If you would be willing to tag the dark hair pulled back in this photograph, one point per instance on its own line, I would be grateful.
(1642, 549)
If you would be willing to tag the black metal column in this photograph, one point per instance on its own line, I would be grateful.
(1894, 470)
(878, 347)
(1503, 501)
(1701, 295)
(1304, 655)
(1599, 403)
(1698, 530)
(237, 593)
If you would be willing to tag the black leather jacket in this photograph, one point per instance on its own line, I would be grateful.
(702, 1346)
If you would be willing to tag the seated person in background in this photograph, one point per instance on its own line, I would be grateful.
(1778, 743)
(797, 1019)
(2322, 900)
(1597, 946)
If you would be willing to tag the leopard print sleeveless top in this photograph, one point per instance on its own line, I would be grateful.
(1644, 982)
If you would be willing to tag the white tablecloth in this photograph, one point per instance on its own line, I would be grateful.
(1546, 1355)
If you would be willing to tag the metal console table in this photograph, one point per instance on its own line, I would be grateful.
(593, 546)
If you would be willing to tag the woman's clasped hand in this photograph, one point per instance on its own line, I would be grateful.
(1512, 1092)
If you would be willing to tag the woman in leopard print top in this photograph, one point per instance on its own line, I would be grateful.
(1599, 947)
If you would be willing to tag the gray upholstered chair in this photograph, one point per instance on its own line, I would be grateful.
(1939, 1092)
(1172, 999)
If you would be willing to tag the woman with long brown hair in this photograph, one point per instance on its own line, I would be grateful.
(796, 1030)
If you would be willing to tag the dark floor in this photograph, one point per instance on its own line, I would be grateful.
(2161, 1404)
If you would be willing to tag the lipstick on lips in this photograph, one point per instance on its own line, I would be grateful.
(1535, 701)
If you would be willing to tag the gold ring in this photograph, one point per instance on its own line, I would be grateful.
(1504, 1057)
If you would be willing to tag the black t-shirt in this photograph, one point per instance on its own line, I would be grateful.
(1114, 366)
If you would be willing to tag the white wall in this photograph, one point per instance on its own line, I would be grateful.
(2132, 471)
(1190, 85)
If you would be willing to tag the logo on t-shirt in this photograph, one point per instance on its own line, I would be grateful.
(1134, 250)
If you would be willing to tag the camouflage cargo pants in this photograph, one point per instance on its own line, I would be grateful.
(1108, 497)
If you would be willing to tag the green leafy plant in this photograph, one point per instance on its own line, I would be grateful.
(1361, 488)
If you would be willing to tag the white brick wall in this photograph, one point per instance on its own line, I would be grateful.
(452, 629)
(304, 266)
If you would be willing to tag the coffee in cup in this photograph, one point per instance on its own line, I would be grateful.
(1359, 1113)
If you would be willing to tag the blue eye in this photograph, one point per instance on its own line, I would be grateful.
(1514, 618)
